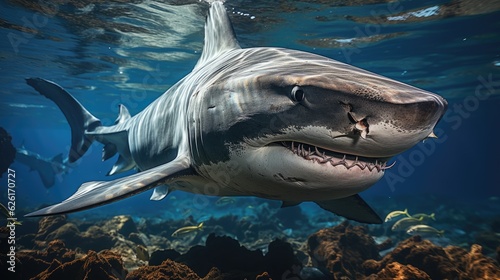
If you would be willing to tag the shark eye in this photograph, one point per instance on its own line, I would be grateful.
(297, 94)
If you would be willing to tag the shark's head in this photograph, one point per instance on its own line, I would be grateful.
(285, 119)
(296, 126)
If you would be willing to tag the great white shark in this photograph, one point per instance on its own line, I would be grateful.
(274, 123)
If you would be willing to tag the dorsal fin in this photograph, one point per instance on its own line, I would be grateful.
(219, 33)
(123, 115)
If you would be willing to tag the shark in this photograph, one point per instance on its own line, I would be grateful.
(269, 122)
(47, 168)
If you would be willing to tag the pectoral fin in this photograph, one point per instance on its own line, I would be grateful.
(353, 208)
(159, 193)
(97, 193)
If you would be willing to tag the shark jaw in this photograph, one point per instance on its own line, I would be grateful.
(325, 156)
(277, 167)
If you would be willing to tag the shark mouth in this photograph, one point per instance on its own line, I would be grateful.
(323, 156)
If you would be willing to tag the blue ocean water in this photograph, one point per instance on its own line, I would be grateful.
(130, 53)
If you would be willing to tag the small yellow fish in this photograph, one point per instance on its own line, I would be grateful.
(424, 230)
(142, 253)
(394, 214)
(225, 200)
(405, 223)
(188, 229)
(425, 216)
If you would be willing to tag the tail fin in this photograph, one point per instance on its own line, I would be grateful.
(47, 174)
(79, 119)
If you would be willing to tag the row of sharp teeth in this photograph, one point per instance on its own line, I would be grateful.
(320, 157)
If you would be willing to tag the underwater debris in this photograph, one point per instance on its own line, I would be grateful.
(188, 229)
(424, 230)
(395, 214)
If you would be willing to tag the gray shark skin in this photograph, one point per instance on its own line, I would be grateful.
(267, 122)
(47, 168)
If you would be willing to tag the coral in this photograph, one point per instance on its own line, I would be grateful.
(478, 266)
(46, 225)
(421, 254)
(103, 265)
(263, 276)
(167, 270)
(32, 262)
(93, 238)
(341, 250)
(214, 274)
(437, 262)
(399, 271)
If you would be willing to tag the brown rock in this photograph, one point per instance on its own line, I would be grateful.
(66, 232)
(105, 265)
(421, 254)
(399, 271)
(214, 274)
(32, 262)
(49, 224)
(137, 238)
(449, 263)
(480, 267)
(168, 270)
(384, 245)
(122, 224)
(158, 256)
(263, 276)
(341, 250)
(473, 264)
(95, 238)
(226, 254)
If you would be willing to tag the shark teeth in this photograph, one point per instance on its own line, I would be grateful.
(323, 156)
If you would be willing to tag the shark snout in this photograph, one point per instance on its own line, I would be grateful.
(421, 115)
(393, 128)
